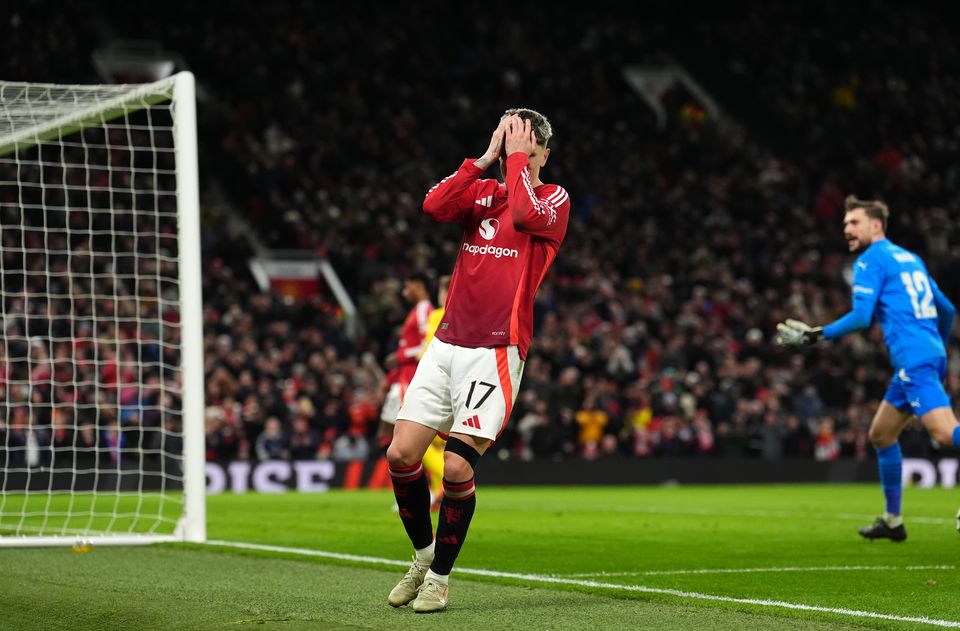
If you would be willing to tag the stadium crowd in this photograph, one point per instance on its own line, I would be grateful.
(687, 243)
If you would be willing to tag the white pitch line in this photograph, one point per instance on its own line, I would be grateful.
(751, 570)
(668, 510)
(537, 578)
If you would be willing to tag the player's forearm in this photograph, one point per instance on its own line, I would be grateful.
(444, 201)
(483, 162)
(859, 317)
(523, 203)
(853, 321)
(946, 314)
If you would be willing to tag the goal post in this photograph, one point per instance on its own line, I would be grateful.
(101, 356)
(193, 524)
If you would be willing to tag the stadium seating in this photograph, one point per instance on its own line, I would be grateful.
(686, 245)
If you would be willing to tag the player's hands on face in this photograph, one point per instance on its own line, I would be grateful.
(796, 333)
(496, 147)
(519, 136)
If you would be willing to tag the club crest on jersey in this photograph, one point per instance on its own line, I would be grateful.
(489, 228)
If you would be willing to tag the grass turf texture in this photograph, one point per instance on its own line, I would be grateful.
(623, 536)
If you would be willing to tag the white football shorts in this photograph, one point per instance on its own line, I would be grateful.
(464, 390)
(391, 404)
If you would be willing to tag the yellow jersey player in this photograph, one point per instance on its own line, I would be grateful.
(433, 458)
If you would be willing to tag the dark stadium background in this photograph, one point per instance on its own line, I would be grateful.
(322, 127)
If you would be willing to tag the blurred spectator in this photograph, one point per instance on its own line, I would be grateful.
(592, 422)
(772, 436)
(272, 443)
(827, 447)
(798, 442)
(304, 440)
(351, 446)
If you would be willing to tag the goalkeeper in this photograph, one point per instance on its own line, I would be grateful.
(893, 284)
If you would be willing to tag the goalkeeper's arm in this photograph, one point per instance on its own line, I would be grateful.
(796, 333)
(859, 318)
(946, 313)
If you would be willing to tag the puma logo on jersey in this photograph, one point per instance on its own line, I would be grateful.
(486, 202)
(488, 228)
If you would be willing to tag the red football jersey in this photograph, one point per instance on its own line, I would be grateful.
(511, 235)
(410, 345)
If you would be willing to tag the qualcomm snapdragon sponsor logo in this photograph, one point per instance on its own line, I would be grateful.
(488, 228)
(492, 250)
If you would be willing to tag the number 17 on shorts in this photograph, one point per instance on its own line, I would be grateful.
(464, 390)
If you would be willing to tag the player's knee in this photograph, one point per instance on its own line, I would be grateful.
(880, 438)
(943, 434)
(455, 467)
(400, 455)
(459, 459)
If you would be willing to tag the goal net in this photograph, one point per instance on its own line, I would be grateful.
(101, 376)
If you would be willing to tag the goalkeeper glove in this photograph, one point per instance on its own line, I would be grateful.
(796, 333)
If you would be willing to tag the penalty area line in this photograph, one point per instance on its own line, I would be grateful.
(538, 578)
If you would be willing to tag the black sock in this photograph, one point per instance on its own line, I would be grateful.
(413, 499)
(456, 511)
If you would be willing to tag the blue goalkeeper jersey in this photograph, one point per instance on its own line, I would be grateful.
(893, 284)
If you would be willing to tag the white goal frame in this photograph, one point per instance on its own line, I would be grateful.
(191, 525)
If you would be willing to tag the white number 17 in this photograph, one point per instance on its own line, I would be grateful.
(921, 294)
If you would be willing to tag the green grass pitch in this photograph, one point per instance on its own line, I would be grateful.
(707, 557)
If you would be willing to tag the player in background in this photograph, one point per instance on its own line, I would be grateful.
(402, 363)
(433, 457)
(893, 284)
(467, 381)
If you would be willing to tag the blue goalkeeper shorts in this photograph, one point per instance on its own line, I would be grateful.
(919, 389)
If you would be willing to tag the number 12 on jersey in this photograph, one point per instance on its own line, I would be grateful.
(921, 294)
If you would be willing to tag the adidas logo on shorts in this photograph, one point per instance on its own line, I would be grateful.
(473, 421)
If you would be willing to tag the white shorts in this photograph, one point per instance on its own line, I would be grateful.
(391, 405)
(464, 390)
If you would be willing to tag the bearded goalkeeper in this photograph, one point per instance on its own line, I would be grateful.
(893, 285)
